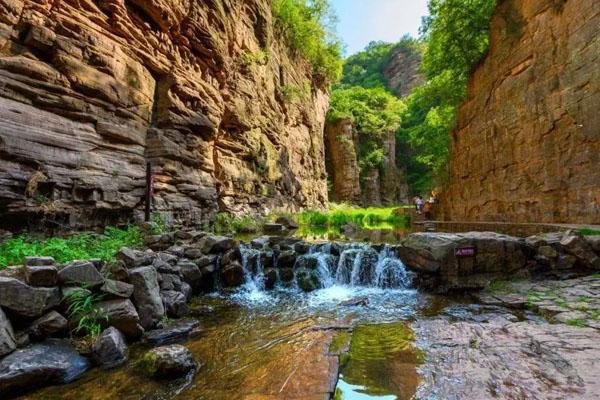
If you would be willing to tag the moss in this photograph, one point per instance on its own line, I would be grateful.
(589, 231)
(339, 343)
(579, 323)
(149, 363)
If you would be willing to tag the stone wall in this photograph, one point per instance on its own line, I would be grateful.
(91, 90)
(527, 144)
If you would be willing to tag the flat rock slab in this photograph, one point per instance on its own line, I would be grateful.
(523, 360)
(52, 362)
(27, 301)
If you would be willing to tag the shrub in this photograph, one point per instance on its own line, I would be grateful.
(308, 27)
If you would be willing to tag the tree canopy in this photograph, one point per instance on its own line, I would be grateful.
(308, 27)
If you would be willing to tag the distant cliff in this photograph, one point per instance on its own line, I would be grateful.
(90, 91)
(398, 70)
(527, 143)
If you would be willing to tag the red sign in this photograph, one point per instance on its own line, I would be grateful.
(465, 251)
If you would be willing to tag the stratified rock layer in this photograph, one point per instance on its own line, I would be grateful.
(528, 139)
(402, 70)
(90, 91)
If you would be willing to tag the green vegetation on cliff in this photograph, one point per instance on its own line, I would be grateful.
(308, 27)
(454, 39)
(374, 112)
(456, 33)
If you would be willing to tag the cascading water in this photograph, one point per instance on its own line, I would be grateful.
(351, 265)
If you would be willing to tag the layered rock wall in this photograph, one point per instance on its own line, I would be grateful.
(92, 90)
(527, 144)
(342, 162)
(385, 185)
(401, 72)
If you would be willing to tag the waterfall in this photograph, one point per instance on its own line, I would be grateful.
(352, 265)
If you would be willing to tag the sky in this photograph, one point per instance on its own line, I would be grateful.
(361, 21)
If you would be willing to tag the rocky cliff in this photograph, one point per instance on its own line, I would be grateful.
(401, 71)
(385, 185)
(206, 92)
(527, 143)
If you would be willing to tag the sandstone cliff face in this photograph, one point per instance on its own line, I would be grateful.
(380, 186)
(91, 90)
(527, 144)
(342, 164)
(402, 71)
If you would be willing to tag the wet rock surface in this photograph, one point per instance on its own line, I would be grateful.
(109, 349)
(54, 361)
(168, 361)
(573, 301)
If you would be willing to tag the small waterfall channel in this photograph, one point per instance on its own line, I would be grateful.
(322, 266)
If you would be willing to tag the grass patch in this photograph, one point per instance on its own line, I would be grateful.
(225, 223)
(577, 323)
(339, 215)
(77, 247)
(589, 231)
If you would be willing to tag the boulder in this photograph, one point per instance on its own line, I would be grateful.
(308, 261)
(579, 248)
(301, 248)
(307, 279)
(169, 282)
(134, 258)
(464, 260)
(8, 341)
(270, 278)
(69, 291)
(260, 243)
(286, 259)
(286, 275)
(109, 349)
(233, 255)
(26, 301)
(204, 261)
(273, 228)
(177, 251)
(80, 273)
(287, 221)
(41, 275)
(190, 273)
(168, 361)
(176, 332)
(48, 325)
(166, 257)
(37, 261)
(52, 362)
(146, 294)
(116, 271)
(186, 290)
(175, 303)
(594, 242)
(195, 251)
(122, 315)
(211, 244)
(117, 289)
(232, 275)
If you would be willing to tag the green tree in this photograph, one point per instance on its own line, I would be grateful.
(373, 112)
(456, 33)
(308, 27)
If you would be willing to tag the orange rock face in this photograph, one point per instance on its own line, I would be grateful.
(91, 90)
(527, 144)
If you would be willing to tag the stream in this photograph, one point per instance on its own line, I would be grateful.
(258, 343)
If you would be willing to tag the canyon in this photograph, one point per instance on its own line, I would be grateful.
(207, 93)
(527, 141)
